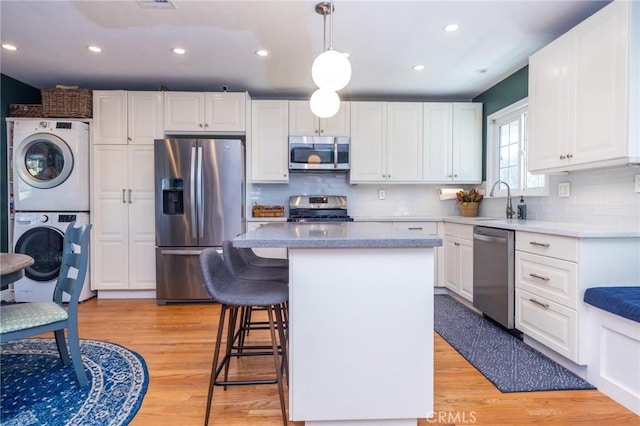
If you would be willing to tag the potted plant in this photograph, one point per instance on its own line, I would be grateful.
(468, 202)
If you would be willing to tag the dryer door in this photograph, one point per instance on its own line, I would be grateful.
(43, 160)
(45, 245)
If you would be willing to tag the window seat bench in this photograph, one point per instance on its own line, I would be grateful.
(614, 339)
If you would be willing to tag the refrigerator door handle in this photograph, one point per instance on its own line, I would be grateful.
(192, 192)
(200, 195)
(181, 252)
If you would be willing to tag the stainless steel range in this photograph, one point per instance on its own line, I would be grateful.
(318, 208)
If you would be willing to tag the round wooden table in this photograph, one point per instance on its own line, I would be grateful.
(12, 266)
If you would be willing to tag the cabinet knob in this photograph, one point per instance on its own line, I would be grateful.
(562, 157)
(569, 155)
(200, 125)
(321, 131)
(129, 139)
(315, 131)
(455, 175)
(206, 125)
(449, 176)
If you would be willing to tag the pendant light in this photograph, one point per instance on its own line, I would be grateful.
(331, 70)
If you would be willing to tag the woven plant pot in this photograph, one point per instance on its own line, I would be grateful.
(468, 209)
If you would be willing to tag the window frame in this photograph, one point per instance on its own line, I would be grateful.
(493, 154)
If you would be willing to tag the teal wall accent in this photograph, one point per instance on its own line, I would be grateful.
(12, 91)
(508, 91)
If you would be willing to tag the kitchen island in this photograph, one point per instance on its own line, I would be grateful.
(361, 321)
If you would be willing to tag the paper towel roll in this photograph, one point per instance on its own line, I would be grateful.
(449, 193)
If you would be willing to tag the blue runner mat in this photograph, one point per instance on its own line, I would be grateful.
(507, 362)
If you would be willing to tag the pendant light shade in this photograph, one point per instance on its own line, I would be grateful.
(324, 103)
(331, 70)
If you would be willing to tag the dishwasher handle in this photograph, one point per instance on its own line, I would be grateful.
(490, 239)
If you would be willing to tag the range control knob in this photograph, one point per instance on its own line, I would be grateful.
(44, 218)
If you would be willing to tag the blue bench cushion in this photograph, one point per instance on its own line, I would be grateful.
(622, 301)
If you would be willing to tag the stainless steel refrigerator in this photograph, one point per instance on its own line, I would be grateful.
(199, 192)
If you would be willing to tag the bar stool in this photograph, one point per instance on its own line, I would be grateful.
(241, 269)
(234, 293)
(245, 270)
(250, 257)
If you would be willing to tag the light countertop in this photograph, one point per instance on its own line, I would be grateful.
(579, 230)
(335, 235)
(569, 229)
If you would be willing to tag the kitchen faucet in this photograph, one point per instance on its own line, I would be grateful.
(509, 208)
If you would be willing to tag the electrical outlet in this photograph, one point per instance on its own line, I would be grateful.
(564, 190)
(382, 194)
(638, 183)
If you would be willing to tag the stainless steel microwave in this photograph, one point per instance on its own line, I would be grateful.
(314, 153)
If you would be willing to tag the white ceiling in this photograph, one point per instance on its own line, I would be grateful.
(385, 39)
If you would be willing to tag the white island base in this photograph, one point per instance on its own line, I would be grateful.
(361, 336)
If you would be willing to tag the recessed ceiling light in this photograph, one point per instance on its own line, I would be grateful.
(178, 51)
(262, 52)
(451, 27)
(9, 46)
(418, 67)
(94, 49)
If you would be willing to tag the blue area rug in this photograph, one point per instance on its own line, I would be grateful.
(38, 390)
(510, 364)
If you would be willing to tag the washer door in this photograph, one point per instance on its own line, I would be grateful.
(43, 160)
(45, 245)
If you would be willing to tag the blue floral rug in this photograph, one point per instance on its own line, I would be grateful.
(509, 363)
(38, 390)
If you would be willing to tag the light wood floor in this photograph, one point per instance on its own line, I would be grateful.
(177, 341)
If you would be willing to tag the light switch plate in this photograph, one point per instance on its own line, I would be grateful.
(564, 189)
(382, 194)
(638, 183)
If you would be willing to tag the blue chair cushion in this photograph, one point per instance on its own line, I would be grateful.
(27, 315)
(622, 301)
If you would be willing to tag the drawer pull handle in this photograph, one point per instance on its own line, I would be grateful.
(544, 305)
(539, 277)
(535, 243)
(415, 228)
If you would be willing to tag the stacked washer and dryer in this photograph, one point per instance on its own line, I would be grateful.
(51, 190)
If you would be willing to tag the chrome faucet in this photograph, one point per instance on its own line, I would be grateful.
(509, 208)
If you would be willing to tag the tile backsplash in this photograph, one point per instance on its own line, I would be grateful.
(605, 196)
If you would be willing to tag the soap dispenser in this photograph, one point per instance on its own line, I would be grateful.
(522, 209)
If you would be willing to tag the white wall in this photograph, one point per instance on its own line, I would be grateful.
(605, 196)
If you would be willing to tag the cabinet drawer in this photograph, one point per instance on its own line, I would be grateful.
(551, 324)
(548, 277)
(459, 230)
(557, 246)
(418, 227)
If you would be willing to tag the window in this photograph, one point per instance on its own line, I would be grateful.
(507, 152)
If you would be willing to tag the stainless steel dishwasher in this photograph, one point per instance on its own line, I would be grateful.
(493, 273)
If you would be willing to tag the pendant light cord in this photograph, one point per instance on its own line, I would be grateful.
(331, 25)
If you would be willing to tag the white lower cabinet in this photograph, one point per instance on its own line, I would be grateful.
(552, 274)
(458, 259)
(123, 215)
(275, 252)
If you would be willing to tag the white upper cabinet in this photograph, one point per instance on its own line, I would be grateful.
(302, 122)
(584, 96)
(269, 141)
(386, 142)
(368, 142)
(121, 117)
(204, 112)
(452, 142)
(404, 142)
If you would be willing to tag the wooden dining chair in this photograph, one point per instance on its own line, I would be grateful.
(21, 320)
